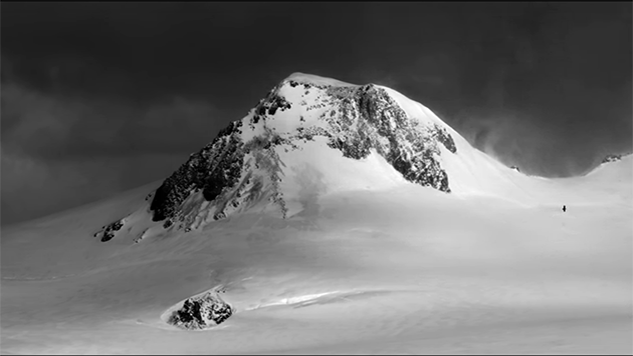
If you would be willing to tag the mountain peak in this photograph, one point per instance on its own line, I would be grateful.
(305, 78)
(310, 135)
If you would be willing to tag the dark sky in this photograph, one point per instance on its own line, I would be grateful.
(102, 97)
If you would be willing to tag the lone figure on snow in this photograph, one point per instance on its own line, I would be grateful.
(564, 208)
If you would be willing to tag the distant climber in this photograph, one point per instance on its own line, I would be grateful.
(564, 208)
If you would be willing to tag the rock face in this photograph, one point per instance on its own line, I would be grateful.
(201, 312)
(242, 167)
(216, 167)
(367, 118)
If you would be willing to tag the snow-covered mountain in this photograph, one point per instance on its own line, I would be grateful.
(312, 136)
(333, 218)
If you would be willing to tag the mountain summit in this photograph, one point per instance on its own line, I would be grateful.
(310, 136)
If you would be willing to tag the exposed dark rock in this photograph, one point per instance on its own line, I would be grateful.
(353, 147)
(612, 158)
(270, 105)
(308, 133)
(110, 230)
(215, 167)
(445, 138)
(201, 312)
(278, 102)
(379, 119)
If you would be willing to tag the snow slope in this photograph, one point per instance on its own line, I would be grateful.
(363, 260)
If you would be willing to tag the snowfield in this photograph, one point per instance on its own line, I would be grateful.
(365, 262)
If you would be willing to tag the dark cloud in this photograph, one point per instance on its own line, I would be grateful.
(33, 187)
(543, 85)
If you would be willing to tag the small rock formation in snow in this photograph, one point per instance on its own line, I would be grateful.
(201, 312)
(109, 231)
(613, 158)
(516, 168)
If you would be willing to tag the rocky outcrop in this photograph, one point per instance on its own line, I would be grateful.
(269, 106)
(201, 312)
(108, 232)
(216, 167)
(614, 157)
(369, 118)
(445, 138)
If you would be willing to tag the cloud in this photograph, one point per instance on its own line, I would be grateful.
(514, 137)
(20, 166)
(34, 187)
(59, 151)
(34, 120)
(52, 126)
